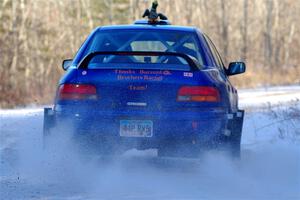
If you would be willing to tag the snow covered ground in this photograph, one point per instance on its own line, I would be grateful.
(269, 168)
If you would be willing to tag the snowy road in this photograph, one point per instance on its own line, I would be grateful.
(269, 169)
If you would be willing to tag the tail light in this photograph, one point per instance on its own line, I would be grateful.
(198, 94)
(77, 92)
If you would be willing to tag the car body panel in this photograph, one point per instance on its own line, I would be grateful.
(149, 95)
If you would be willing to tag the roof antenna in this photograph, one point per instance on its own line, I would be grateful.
(152, 13)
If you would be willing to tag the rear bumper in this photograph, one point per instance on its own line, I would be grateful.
(168, 127)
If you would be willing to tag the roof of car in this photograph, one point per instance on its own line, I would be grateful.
(149, 26)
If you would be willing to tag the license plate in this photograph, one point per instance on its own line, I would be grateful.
(136, 128)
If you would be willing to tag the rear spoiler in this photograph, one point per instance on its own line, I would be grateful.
(193, 63)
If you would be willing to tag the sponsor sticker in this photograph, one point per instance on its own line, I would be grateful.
(187, 74)
(84, 73)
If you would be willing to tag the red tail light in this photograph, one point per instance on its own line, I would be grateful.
(198, 94)
(77, 92)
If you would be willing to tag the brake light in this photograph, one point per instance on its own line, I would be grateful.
(198, 94)
(77, 92)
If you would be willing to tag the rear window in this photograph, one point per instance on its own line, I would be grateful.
(144, 40)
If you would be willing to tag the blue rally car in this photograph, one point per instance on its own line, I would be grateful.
(149, 85)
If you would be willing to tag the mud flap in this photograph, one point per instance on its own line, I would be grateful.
(49, 121)
(235, 127)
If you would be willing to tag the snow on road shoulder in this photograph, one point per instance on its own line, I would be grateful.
(272, 115)
(280, 123)
(271, 96)
(20, 112)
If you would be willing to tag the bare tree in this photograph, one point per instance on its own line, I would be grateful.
(245, 30)
(268, 33)
(224, 29)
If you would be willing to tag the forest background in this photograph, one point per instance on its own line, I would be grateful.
(36, 35)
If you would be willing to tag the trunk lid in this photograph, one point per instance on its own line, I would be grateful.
(152, 90)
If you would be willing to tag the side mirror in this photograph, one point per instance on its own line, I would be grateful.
(66, 64)
(236, 68)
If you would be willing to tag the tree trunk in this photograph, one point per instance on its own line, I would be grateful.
(268, 34)
(245, 30)
(224, 30)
